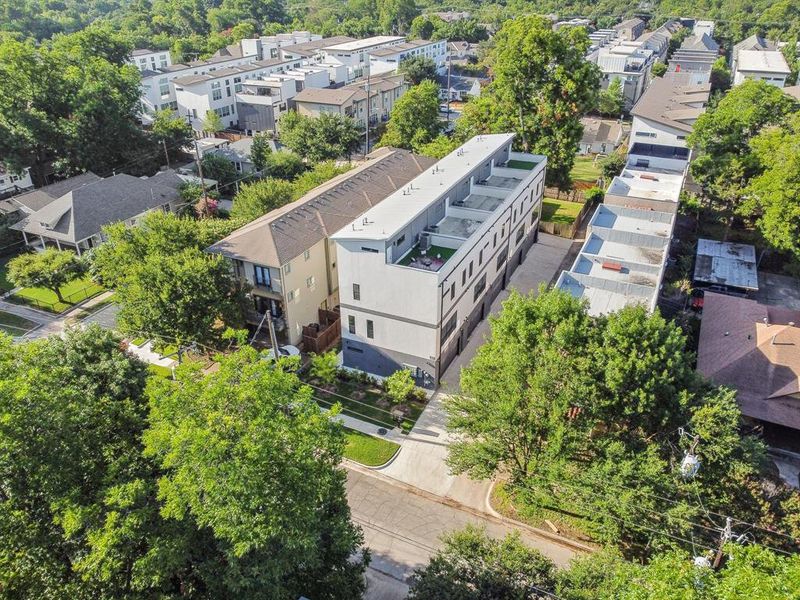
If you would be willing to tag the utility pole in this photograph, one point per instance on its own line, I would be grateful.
(449, 68)
(272, 337)
(199, 164)
(369, 111)
(166, 154)
(723, 539)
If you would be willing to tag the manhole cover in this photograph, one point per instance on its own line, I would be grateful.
(382, 431)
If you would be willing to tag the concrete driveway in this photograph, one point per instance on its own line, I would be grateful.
(421, 462)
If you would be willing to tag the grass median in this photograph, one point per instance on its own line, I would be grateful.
(367, 449)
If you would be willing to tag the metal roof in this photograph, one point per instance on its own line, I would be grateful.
(726, 263)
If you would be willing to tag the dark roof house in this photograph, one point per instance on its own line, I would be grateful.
(755, 349)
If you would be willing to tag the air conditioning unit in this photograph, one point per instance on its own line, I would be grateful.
(424, 241)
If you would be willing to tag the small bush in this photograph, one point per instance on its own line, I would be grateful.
(594, 194)
(399, 386)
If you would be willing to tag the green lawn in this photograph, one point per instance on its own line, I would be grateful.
(160, 371)
(585, 169)
(368, 450)
(74, 292)
(14, 325)
(521, 164)
(560, 211)
(433, 251)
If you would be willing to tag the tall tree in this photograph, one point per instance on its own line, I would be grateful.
(610, 100)
(212, 122)
(720, 138)
(260, 197)
(414, 121)
(261, 150)
(542, 87)
(172, 132)
(326, 137)
(248, 454)
(50, 269)
(417, 69)
(395, 16)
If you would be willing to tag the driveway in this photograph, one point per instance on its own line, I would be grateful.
(402, 527)
(421, 462)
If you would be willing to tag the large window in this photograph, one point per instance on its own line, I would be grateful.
(370, 329)
(520, 234)
(356, 291)
(479, 287)
(351, 324)
(449, 327)
(262, 276)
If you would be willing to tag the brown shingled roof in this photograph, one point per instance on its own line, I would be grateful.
(666, 101)
(755, 349)
(284, 233)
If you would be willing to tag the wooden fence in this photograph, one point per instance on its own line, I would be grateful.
(324, 335)
(566, 230)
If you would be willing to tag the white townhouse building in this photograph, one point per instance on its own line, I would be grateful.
(630, 63)
(769, 66)
(13, 183)
(354, 55)
(388, 59)
(420, 270)
(145, 59)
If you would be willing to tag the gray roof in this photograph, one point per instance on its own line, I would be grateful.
(229, 71)
(83, 211)
(726, 263)
(38, 199)
(754, 42)
(601, 130)
(310, 48)
(700, 42)
(670, 104)
(390, 50)
(143, 51)
(284, 233)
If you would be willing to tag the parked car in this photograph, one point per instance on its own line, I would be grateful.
(282, 352)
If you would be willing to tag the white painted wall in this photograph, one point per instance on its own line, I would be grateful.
(651, 132)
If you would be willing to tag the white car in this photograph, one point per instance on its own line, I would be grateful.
(282, 351)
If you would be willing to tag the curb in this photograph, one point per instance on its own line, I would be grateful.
(501, 520)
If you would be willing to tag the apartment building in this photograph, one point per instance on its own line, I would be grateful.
(631, 64)
(696, 57)
(420, 270)
(286, 256)
(754, 42)
(268, 46)
(351, 100)
(630, 29)
(218, 90)
(354, 55)
(145, 59)
(388, 59)
(13, 183)
(622, 261)
(658, 40)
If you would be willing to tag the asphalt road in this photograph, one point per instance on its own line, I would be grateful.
(403, 527)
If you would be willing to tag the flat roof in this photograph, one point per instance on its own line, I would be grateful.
(766, 61)
(366, 43)
(726, 263)
(398, 210)
(644, 183)
(404, 47)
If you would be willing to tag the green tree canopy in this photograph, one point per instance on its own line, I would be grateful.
(542, 87)
(658, 69)
(414, 121)
(221, 170)
(261, 150)
(326, 137)
(217, 435)
(285, 165)
(417, 69)
(260, 197)
(212, 122)
(172, 132)
(50, 269)
(610, 101)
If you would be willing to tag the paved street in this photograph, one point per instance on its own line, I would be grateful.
(402, 528)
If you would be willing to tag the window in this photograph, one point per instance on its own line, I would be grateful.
(500, 260)
(163, 89)
(262, 276)
(370, 329)
(290, 296)
(494, 242)
(310, 281)
(449, 327)
(237, 84)
(351, 324)
(514, 219)
(464, 277)
(646, 134)
(400, 240)
(216, 94)
(520, 234)
(480, 257)
(368, 249)
(307, 254)
(452, 291)
(479, 287)
(356, 291)
(503, 231)
(287, 268)
(470, 268)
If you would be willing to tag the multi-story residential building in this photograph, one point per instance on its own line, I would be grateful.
(769, 66)
(286, 256)
(754, 42)
(351, 100)
(631, 64)
(145, 59)
(388, 59)
(658, 40)
(354, 55)
(704, 28)
(630, 29)
(420, 270)
(312, 50)
(667, 111)
(218, 90)
(696, 56)
(268, 46)
(622, 261)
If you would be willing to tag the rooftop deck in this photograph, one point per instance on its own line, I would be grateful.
(432, 259)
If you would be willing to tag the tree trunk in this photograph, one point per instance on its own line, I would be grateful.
(57, 291)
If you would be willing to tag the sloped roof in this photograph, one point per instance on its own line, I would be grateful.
(310, 48)
(755, 349)
(284, 233)
(83, 211)
(39, 198)
(670, 104)
(600, 130)
(754, 42)
(700, 42)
